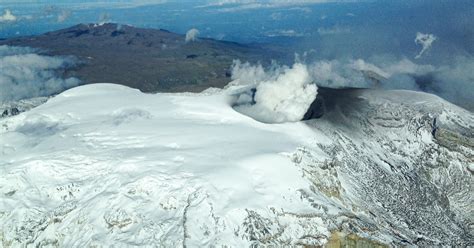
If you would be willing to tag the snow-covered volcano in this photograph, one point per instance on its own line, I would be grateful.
(106, 165)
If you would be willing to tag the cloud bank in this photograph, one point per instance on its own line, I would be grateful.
(279, 2)
(359, 73)
(192, 35)
(7, 16)
(453, 82)
(85, 4)
(284, 33)
(24, 74)
(243, 5)
(333, 30)
(282, 94)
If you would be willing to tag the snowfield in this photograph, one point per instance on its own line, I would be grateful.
(105, 165)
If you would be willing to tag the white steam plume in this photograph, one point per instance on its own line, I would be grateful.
(281, 95)
(192, 35)
(24, 74)
(425, 40)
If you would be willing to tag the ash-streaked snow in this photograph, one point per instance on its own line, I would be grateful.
(106, 165)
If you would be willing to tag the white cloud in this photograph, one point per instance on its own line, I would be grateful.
(361, 65)
(453, 82)
(284, 33)
(425, 40)
(361, 74)
(63, 15)
(275, 2)
(10, 50)
(333, 30)
(281, 95)
(302, 9)
(241, 5)
(333, 74)
(192, 35)
(276, 16)
(7, 16)
(24, 74)
(406, 66)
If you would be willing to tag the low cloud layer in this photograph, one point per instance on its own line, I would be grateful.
(25, 74)
(284, 33)
(86, 4)
(425, 40)
(7, 16)
(282, 94)
(244, 5)
(333, 30)
(453, 82)
(280, 2)
(192, 35)
(362, 74)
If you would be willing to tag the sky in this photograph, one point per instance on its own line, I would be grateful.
(334, 27)
(396, 37)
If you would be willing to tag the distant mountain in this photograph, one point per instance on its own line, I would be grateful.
(147, 59)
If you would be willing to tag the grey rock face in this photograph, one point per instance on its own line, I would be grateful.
(401, 160)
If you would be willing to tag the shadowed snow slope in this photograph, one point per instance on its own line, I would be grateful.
(108, 165)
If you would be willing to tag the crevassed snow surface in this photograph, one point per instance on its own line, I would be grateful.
(104, 164)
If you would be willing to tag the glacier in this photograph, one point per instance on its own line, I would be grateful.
(106, 165)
